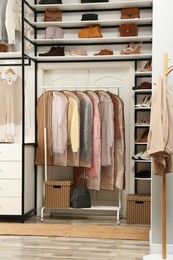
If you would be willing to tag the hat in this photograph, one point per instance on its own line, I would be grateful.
(143, 85)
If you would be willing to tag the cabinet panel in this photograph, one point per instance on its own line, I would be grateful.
(10, 152)
(10, 188)
(10, 206)
(10, 170)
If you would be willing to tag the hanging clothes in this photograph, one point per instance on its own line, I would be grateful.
(93, 177)
(3, 31)
(73, 132)
(44, 111)
(86, 115)
(107, 141)
(119, 142)
(160, 138)
(59, 128)
(11, 101)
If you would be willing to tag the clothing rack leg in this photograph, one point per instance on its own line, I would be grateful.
(164, 217)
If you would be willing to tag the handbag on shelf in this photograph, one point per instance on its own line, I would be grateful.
(88, 17)
(49, 2)
(52, 15)
(80, 198)
(90, 32)
(54, 33)
(3, 47)
(130, 13)
(127, 30)
(94, 1)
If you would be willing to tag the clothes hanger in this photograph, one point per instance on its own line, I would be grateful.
(9, 70)
(169, 70)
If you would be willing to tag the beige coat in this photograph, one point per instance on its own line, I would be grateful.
(160, 138)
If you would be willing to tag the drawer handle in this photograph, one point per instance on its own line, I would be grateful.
(139, 202)
(56, 186)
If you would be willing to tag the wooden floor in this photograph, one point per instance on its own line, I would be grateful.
(37, 248)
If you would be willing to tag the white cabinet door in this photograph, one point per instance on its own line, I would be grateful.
(10, 170)
(10, 152)
(10, 206)
(10, 188)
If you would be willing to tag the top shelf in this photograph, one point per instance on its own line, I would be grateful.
(95, 6)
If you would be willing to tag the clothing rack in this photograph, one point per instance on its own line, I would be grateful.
(86, 87)
(166, 71)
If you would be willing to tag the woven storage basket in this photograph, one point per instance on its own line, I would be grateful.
(57, 194)
(138, 209)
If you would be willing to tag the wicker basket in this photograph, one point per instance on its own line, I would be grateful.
(57, 194)
(138, 209)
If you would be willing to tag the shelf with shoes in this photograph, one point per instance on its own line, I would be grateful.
(71, 23)
(65, 6)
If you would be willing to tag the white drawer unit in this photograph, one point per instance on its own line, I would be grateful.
(10, 152)
(12, 170)
(10, 188)
(10, 206)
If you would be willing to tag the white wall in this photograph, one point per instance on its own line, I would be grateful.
(162, 42)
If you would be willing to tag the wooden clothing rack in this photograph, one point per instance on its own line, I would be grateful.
(164, 256)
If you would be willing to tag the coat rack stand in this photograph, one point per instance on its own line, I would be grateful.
(163, 256)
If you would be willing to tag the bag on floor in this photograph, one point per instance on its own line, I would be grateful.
(3, 47)
(80, 198)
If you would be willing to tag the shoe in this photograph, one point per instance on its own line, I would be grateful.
(147, 67)
(143, 85)
(137, 156)
(143, 102)
(142, 122)
(147, 102)
(143, 174)
(104, 52)
(144, 156)
(76, 53)
(132, 48)
(144, 137)
(54, 51)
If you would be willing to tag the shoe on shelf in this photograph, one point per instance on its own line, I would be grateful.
(137, 156)
(145, 156)
(144, 100)
(143, 174)
(104, 52)
(142, 122)
(54, 51)
(147, 67)
(143, 85)
(144, 137)
(76, 53)
(132, 48)
(147, 102)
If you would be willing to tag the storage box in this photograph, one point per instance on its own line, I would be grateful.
(138, 209)
(57, 194)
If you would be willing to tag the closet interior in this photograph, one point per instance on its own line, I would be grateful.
(60, 57)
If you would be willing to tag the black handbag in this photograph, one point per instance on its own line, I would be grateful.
(88, 17)
(94, 1)
(49, 2)
(80, 198)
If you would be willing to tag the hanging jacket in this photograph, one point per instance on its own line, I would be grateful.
(86, 114)
(59, 128)
(93, 174)
(44, 105)
(73, 132)
(107, 139)
(160, 138)
(119, 141)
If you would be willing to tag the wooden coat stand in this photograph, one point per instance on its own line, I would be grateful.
(164, 256)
